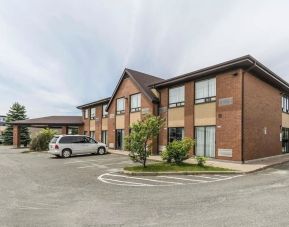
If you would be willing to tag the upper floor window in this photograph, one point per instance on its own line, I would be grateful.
(86, 113)
(177, 96)
(135, 103)
(205, 91)
(92, 113)
(104, 112)
(285, 103)
(120, 106)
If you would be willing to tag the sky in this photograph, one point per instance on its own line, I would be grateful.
(58, 54)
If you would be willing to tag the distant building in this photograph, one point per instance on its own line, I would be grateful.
(2, 126)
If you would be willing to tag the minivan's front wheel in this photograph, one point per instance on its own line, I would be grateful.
(101, 150)
(66, 153)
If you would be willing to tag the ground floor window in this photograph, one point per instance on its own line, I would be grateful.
(205, 141)
(104, 137)
(85, 133)
(119, 134)
(92, 134)
(72, 131)
(176, 134)
(285, 140)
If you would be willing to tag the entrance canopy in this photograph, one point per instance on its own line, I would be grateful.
(63, 122)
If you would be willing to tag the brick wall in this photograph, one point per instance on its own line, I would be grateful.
(189, 111)
(229, 117)
(163, 136)
(262, 112)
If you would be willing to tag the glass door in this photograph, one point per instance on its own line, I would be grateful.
(119, 139)
(205, 141)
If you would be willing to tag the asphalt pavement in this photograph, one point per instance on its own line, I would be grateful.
(37, 189)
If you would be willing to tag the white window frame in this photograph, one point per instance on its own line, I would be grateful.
(205, 91)
(120, 109)
(92, 113)
(135, 102)
(177, 96)
(104, 112)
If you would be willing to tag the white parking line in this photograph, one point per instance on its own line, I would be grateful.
(185, 179)
(206, 177)
(145, 179)
(129, 182)
(112, 178)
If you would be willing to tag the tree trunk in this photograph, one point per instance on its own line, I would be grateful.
(145, 156)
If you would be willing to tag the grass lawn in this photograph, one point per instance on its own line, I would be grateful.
(171, 167)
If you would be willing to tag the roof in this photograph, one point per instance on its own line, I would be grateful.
(98, 102)
(52, 121)
(142, 80)
(245, 62)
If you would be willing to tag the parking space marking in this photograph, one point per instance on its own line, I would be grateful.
(123, 180)
(185, 179)
(145, 179)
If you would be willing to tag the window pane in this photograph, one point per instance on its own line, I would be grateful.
(104, 113)
(200, 141)
(92, 113)
(120, 104)
(177, 95)
(212, 87)
(135, 101)
(210, 142)
(201, 89)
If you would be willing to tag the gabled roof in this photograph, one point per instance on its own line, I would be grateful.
(52, 121)
(142, 80)
(245, 62)
(98, 102)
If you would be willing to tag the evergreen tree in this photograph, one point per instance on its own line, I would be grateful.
(17, 112)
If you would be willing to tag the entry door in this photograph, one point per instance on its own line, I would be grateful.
(119, 139)
(205, 141)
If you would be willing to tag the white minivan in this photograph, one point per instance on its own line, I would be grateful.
(67, 145)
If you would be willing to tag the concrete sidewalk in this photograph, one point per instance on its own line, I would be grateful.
(248, 167)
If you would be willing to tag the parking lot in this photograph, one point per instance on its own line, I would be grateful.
(38, 189)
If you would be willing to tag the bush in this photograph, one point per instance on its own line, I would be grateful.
(201, 160)
(177, 151)
(41, 141)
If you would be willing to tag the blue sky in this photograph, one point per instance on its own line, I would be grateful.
(57, 54)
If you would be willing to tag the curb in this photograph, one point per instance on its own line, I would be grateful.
(178, 173)
(266, 167)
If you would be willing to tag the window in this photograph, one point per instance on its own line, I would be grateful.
(205, 91)
(92, 113)
(104, 113)
(120, 106)
(285, 103)
(91, 134)
(205, 141)
(177, 96)
(86, 113)
(176, 134)
(135, 103)
(285, 140)
(72, 139)
(104, 137)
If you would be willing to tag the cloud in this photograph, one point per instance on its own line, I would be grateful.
(55, 55)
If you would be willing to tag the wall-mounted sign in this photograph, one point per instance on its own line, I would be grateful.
(225, 152)
(226, 101)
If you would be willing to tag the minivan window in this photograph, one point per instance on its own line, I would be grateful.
(54, 139)
(72, 139)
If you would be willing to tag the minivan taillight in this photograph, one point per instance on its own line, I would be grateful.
(56, 147)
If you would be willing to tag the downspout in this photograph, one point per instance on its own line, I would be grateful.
(242, 119)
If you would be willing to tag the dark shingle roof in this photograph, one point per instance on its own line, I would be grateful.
(51, 120)
(98, 102)
(142, 80)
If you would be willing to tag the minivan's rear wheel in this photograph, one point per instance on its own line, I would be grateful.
(66, 153)
(101, 151)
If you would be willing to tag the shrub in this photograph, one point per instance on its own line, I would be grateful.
(140, 139)
(41, 141)
(201, 160)
(177, 151)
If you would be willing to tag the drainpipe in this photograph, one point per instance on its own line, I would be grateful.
(242, 120)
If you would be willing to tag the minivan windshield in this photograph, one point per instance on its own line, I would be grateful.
(54, 139)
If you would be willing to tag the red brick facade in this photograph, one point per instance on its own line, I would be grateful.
(248, 127)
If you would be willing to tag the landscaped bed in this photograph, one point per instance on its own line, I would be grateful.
(172, 167)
